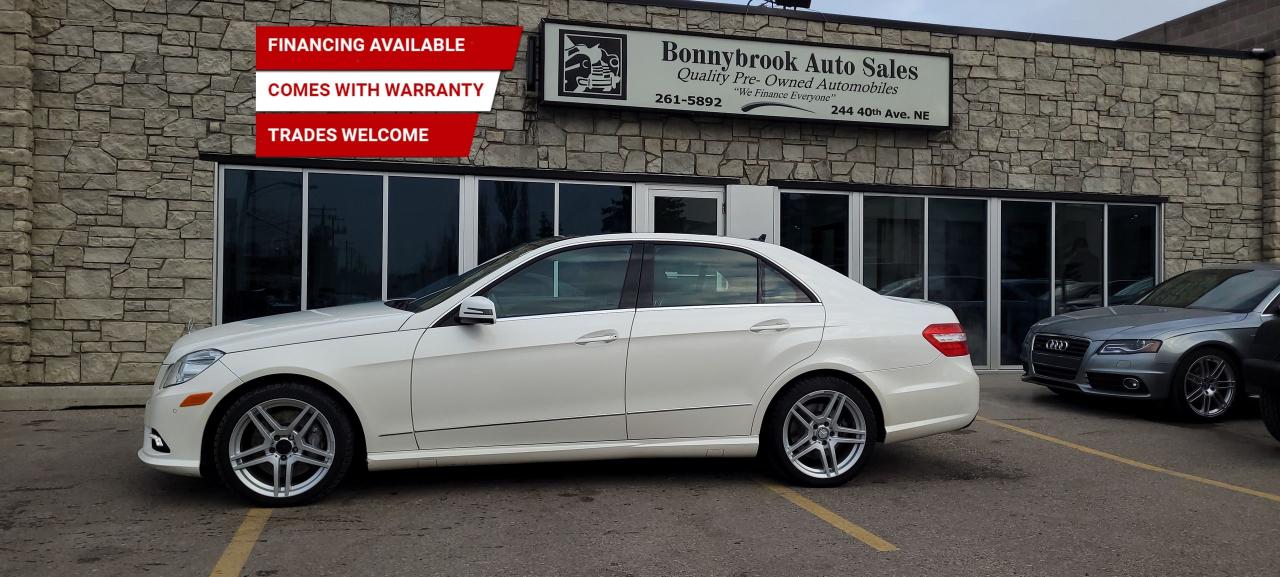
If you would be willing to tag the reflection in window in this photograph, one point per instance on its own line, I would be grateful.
(685, 215)
(585, 279)
(1024, 272)
(817, 226)
(1131, 240)
(594, 209)
(776, 288)
(893, 245)
(958, 266)
(261, 243)
(512, 213)
(1078, 243)
(344, 239)
(697, 275)
(422, 235)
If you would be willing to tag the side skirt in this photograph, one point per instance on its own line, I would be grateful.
(629, 449)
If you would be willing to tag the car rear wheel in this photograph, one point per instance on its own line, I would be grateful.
(1271, 411)
(1205, 386)
(283, 444)
(819, 433)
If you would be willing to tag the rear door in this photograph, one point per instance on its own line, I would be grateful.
(715, 327)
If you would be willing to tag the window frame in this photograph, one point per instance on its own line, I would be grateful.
(645, 300)
(630, 281)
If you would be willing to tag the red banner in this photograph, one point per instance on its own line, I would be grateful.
(387, 47)
(365, 135)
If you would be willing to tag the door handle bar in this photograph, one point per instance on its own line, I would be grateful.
(772, 325)
(607, 336)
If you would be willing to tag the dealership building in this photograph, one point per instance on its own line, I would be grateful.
(1008, 175)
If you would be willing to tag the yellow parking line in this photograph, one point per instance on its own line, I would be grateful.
(237, 552)
(831, 518)
(1133, 463)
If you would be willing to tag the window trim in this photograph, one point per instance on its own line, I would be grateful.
(646, 277)
(629, 287)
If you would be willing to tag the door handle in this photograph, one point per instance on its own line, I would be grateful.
(771, 325)
(605, 336)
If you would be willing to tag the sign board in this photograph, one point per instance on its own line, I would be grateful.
(594, 65)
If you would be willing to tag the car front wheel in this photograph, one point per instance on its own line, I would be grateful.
(283, 444)
(820, 433)
(1205, 385)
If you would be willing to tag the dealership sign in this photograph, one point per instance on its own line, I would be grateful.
(645, 69)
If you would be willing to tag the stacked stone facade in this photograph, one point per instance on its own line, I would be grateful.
(106, 106)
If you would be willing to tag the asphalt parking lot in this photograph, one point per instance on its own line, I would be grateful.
(1040, 485)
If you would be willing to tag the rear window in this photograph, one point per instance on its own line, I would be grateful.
(1218, 289)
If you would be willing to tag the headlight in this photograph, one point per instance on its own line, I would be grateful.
(190, 365)
(1129, 347)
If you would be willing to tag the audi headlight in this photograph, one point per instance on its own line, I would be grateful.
(1129, 347)
(190, 365)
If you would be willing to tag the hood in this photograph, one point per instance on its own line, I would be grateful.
(292, 328)
(1134, 321)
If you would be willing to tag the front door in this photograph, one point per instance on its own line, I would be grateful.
(718, 327)
(682, 210)
(550, 370)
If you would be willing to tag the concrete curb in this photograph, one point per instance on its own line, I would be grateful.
(52, 398)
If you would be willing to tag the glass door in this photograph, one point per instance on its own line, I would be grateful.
(682, 210)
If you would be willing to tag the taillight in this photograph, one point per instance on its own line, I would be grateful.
(948, 338)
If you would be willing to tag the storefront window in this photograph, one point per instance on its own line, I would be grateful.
(344, 239)
(685, 215)
(1131, 252)
(817, 226)
(422, 235)
(958, 266)
(1078, 247)
(893, 245)
(513, 212)
(1025, 244)
(594, 209)
(261, 243)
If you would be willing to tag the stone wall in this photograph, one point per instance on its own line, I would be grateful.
(15, 190)
(128, 93)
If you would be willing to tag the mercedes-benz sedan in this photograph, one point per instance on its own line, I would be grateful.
(636, 345)
(1181, 344)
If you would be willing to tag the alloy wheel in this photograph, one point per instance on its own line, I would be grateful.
(1209, 386)
(281, 448)
(824, 434)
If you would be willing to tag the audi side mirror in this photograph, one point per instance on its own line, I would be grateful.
(477, 310)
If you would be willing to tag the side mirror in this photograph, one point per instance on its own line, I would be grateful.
(477, 311)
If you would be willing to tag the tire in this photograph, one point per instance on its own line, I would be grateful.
(323, 437)
(1271, 411)
(800, 419)
(1193, 401)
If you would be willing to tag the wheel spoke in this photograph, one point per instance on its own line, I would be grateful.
(833, 408)
(308, 460)
(1195, 395)
(806, 421)
(275, 477)
(1193, 379)
(268, 420)
(254, 462)
(288, 477)
(293, 425)
(308, 447)
(245, 453)
(835, 459)
(826, 462)
(1218, 370)
(263, 429)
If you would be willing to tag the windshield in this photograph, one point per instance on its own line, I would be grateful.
(440, 291)
(1218, 289)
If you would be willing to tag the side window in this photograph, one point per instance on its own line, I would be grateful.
(697, 275)
(585, 279)
(776, 288)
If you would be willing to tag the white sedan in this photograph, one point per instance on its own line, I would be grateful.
(617, 346)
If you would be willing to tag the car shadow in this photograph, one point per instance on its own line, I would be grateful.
(1154, 411)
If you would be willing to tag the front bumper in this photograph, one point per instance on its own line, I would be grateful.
(1104, 375)
(182, 428)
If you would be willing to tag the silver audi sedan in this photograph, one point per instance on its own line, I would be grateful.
(1181, 344)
